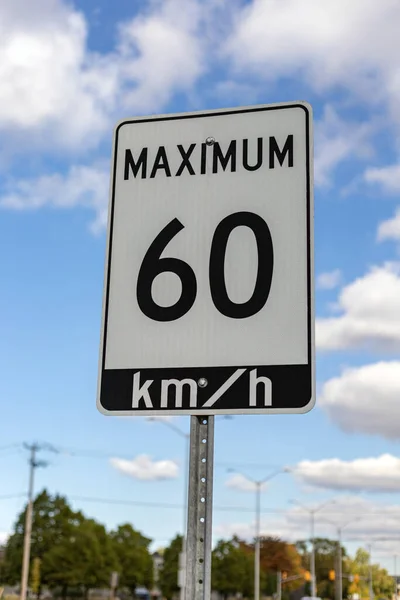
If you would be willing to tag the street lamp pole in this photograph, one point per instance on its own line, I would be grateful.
(339, 588)
(257, 543)
(258, 483)
(312, 512)
(313, 576)
(371, 590)
(339, 577)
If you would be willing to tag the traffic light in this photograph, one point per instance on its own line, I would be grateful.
(356, 578)
(332, 575)
(307, 576)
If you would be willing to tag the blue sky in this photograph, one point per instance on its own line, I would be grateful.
(69, 72)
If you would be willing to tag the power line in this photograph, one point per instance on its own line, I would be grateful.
(8, 496)
(180, 506)
(101, 455)
(247, 465)
(11, 452)
(162, 504)
(10, 449)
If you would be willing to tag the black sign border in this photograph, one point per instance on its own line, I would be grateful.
(295, 383)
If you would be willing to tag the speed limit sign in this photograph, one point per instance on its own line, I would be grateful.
(208, 299)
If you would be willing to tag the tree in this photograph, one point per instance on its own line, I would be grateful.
(277, 555)
(85, 558)
(168, 577)
(35, 576)
(326, 552)
(52, 521)
(382, 582)
(135, 562)
(232, 568)
(2, 565)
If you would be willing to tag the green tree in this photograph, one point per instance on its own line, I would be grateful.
(168, 577)
(35, 576)
(85, 558)
(2, 565)
(53, 519)
(135, 562)
(382, 582)
(326, 552)
(232, 568)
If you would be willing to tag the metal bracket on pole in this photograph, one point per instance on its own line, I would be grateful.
(199, 528)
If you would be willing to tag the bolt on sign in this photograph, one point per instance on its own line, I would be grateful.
(208, 300)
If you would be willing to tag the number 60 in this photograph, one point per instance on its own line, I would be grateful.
(153, 265)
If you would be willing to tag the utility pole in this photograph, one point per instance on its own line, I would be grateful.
(339, 569)
(312, 512)
(313, 575)
(339, 587)
(371, 590)
(258, 483)
(33, 464)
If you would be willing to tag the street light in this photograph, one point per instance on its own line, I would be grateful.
(371, 589)
(258, 483)
(312, 512)
(339, 529)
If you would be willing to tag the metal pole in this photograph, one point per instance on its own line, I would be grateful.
(279, 585)
(313, 582)
(257, 544)
(199, 525)
(340, 565)
(28, 525)
(371, 591)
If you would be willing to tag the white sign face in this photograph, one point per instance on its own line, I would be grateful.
(208, 304)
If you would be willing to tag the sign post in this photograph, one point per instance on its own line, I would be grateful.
(199, 529)
(208, 302)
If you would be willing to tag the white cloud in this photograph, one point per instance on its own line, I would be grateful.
(381, 474)
(365, 399)
(370, 308)
(364, 522)
(82, 185)
(61, 94)
(337, 140)
(329, 280)
(162, 52)
(144, 468)
(329, 44)
(387, 177)
(241, 483)
(47, 79)
(390, 229)
(278, 526)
